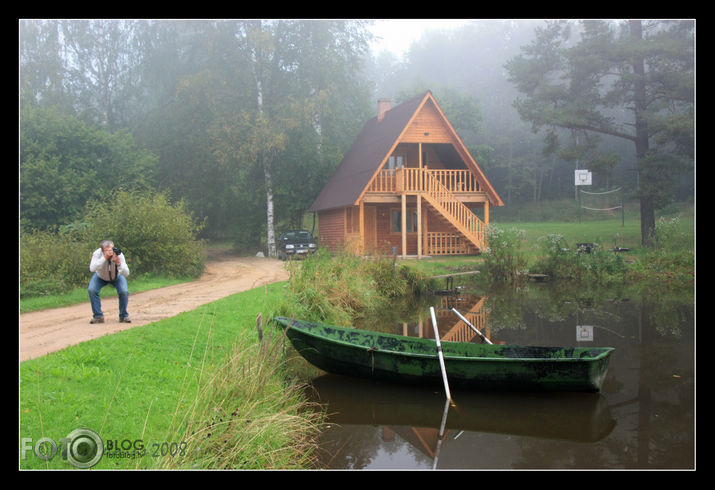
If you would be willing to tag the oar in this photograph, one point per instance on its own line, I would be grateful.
(440, 355)
(470, 325)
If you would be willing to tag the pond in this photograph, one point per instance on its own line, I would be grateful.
(644, 417)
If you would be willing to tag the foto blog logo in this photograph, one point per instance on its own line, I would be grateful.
(82, 448)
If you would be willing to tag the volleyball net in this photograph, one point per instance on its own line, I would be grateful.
(608, 202)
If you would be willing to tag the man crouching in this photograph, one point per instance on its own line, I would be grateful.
(109, 267)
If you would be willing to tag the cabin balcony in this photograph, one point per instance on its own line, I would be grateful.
(447, 194)
(413, 180)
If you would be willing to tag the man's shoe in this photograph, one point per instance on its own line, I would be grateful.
(125, 320)
(97, 320)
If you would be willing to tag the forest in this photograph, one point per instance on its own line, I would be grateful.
(245, 120)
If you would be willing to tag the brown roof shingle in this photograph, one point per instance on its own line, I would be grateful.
(370, 149)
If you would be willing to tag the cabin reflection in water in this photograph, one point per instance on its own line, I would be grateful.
(451, 328)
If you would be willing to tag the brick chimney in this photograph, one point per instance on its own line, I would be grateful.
(383, 105)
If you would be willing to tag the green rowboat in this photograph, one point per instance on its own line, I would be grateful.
(391, 357)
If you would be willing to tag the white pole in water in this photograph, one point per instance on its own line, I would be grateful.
(440, 355)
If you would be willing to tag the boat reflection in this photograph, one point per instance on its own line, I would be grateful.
(567, 416)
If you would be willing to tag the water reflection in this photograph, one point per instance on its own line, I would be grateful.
(450, 327)
(574, 416)
(643, 418)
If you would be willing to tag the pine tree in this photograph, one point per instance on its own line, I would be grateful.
(632, 80)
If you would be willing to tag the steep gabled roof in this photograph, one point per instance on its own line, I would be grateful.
(372, 147)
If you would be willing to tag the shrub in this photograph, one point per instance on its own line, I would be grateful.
(503, 258)
(52, 261)
(155, 236)
(65, 162)
(669, 237)
(671, 257)
(592, 263)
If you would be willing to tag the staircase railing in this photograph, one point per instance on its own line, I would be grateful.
(444, 201)
(439, 187)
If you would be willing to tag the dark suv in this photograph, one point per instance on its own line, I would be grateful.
(296, 243)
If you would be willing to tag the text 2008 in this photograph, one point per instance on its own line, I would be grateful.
(168, 449)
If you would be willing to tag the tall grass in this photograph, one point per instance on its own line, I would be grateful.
(261, 422)
(337, 287)
(671, 259)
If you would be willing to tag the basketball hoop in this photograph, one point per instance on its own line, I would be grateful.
(582, 177)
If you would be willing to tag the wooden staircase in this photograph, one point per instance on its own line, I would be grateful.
(446, 204)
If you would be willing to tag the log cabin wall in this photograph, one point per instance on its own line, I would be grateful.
(331, 228)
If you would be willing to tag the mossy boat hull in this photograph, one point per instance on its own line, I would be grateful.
(390, 357)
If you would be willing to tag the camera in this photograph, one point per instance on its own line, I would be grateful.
(116, 251)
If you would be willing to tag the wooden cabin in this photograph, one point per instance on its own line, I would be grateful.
(407, 186)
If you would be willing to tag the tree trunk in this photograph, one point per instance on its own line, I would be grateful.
(641, 140)
(264, 159)
(269, 211)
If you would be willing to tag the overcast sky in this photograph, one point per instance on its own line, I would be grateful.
(398, 34)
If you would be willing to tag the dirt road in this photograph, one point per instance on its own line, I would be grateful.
(48, 331)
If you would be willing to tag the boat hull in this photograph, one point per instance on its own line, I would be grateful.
(397, 358)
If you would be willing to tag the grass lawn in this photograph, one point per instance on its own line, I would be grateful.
(606, 233)
(145, 384)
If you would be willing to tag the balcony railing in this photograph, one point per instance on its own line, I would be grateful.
(409, 179)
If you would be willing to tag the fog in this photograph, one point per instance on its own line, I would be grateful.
(235, 112)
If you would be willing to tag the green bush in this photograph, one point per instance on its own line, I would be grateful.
(586, 263)
(503, 258)
(52, 261)
(155, 236)
(671, 257)
(65, 162)
(669, 237)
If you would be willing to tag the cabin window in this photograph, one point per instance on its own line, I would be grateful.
(411, 221)
(395, 161)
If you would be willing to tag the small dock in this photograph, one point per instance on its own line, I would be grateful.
(443, 276)
(450, 279)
